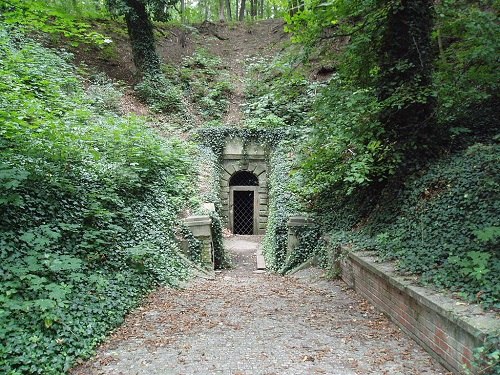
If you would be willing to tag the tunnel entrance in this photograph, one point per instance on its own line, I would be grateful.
(243, 212)
(243, 197)
(244, 169)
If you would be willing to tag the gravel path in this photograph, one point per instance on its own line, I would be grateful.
(246, 322)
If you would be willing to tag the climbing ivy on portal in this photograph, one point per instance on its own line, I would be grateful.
(215, 137)
(208, 163)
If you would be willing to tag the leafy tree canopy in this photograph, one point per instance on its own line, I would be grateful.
(159, 10)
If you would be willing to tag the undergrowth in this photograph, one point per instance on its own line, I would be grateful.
(278, 94)
(200, 83)
(88, 204)
(440, 223)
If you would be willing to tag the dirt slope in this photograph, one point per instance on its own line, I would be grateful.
(235, 44)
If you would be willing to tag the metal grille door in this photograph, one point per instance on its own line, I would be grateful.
(243, 212)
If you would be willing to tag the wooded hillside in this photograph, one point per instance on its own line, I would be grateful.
(382, 117)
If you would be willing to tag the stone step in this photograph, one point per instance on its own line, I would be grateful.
(261, 262)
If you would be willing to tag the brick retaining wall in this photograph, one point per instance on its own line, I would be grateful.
(448, 329)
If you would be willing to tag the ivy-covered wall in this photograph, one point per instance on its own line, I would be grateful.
(283, 204)
(209, 177)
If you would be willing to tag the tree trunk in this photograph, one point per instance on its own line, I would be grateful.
(140, 31)
(242, 10)
(183, 11)
(207, 8)
(406, 61)
(261, 9)
(228, 7)
(221, 11)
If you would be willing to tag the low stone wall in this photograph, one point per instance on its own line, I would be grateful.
(448, 329)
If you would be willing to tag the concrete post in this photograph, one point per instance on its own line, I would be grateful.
(201, 227)
(295, 223)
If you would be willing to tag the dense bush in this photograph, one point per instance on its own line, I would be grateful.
(434, 211)
(55, 19)
(441, 223)
(159, 93)
(278, 94)
(346, 148)
(357, 139)
(466, 76)
(88, 200)
(445, 225)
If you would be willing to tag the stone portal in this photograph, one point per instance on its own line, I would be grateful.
(244, 187)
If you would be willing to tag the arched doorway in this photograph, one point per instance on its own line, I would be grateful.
(243, 203)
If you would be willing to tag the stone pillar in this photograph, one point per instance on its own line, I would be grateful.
(201, 227)
(294, 224)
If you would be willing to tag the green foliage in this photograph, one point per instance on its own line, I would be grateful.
(466, 78)
(159, 93)
(221, 257)
(104, 94)
(209, 10)
(278, 95)
(371, 113)
(88, 205)
(369, 123)
(206, 85)
(194, 245)
(347, 148)
(197, 83)
(282, 204)
(307, 247)
(487, 357)
(359, 22)
(441, 224)
(48, 18)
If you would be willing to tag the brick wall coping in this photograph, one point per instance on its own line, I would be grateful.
(471, 318)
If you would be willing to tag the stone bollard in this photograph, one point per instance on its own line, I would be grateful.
(295, 223)
(201, 227)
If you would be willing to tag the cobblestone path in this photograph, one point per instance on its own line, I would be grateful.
(250, 323)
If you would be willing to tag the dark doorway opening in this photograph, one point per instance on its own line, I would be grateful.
(244, 203)
(244, 178)
(243, 212)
